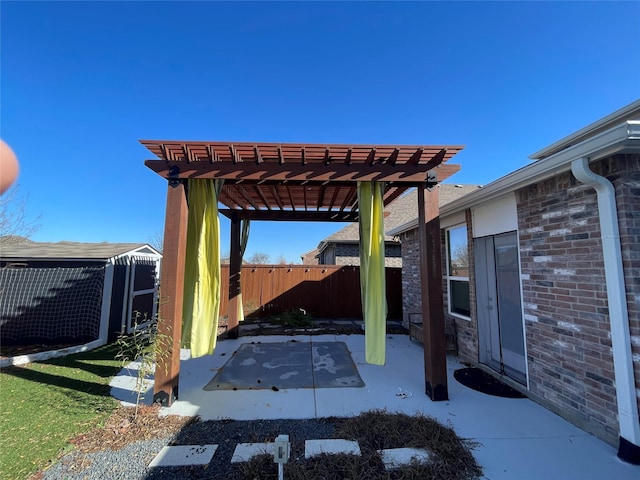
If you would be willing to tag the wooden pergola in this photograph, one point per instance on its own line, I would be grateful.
(297, 182)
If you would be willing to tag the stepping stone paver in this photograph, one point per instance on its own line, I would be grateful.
(398, 457)
(317, 447)
(180, 455)
(245, 451)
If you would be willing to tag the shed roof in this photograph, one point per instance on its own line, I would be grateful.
(279, 181)
(71, 250)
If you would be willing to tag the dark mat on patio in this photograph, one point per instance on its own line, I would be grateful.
(484, 382)
(285, 365)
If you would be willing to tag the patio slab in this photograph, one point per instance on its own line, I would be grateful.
(517, 438)
(287, 365)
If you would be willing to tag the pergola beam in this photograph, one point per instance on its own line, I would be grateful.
(254, 172)
(434, 339)
(171, 294)
(235, 269)
(292, 215)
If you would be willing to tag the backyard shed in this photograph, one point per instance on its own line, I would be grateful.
(69, 292)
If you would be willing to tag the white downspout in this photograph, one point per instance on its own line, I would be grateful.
(628, 420)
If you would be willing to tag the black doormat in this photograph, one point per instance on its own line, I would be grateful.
(481, 381)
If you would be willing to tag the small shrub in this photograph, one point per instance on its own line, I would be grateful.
(293, 318)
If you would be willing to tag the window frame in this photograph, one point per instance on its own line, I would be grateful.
(455, 278)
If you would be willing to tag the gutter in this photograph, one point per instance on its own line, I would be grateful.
(625, 136)
(628, 420)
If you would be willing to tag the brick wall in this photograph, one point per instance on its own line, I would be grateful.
(411, 295)
(349, 254)
(467, 330)
(564, 296)
(628, 201)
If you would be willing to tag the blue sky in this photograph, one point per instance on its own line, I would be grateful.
(82, 82)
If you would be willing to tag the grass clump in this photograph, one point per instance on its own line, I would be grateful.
(44, 405)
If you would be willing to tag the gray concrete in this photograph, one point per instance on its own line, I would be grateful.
(517, 438)
(286, 365)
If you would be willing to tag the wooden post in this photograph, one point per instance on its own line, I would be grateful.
(235, 268)
(174, 249)
(434, 339)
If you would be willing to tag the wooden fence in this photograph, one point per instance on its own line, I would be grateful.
(324, 291)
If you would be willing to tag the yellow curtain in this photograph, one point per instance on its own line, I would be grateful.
(202, 268)
(372, 276)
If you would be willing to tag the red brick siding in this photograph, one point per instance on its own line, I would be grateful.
(467, 330)
(624, 173)
(567, 326)
(565, 305)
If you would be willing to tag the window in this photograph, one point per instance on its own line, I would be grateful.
(457, 272)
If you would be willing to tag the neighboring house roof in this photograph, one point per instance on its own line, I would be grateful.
(309, 257)
(72, 250)
(620, 135)
(398, 212)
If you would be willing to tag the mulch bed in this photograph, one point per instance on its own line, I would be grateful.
(484, 382)
(373, 430)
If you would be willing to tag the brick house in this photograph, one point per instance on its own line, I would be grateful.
(541, 277)
(343, 247)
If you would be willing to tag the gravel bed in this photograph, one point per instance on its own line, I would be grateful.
(130, 462)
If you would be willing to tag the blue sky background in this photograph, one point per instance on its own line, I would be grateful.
(82, 82)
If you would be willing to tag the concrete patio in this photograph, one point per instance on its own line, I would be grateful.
(518, 438)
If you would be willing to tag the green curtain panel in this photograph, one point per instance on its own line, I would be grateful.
(372, 275)
(202, 268)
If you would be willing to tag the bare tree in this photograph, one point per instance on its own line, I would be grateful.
(258, 258)
(460, 256)
(157, 241)
(282, 260)
(15, 226)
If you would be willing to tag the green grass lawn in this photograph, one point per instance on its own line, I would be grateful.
(44, 405)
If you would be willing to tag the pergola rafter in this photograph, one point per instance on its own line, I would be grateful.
(296, 182)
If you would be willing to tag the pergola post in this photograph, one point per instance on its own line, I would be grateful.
(235, 268)
(174, 249)
(433, 331)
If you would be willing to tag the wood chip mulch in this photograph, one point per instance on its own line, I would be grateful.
(123, 427)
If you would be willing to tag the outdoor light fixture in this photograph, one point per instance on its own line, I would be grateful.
(281, 452)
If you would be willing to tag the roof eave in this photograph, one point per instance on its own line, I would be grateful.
(624, 138)
(629, 112)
